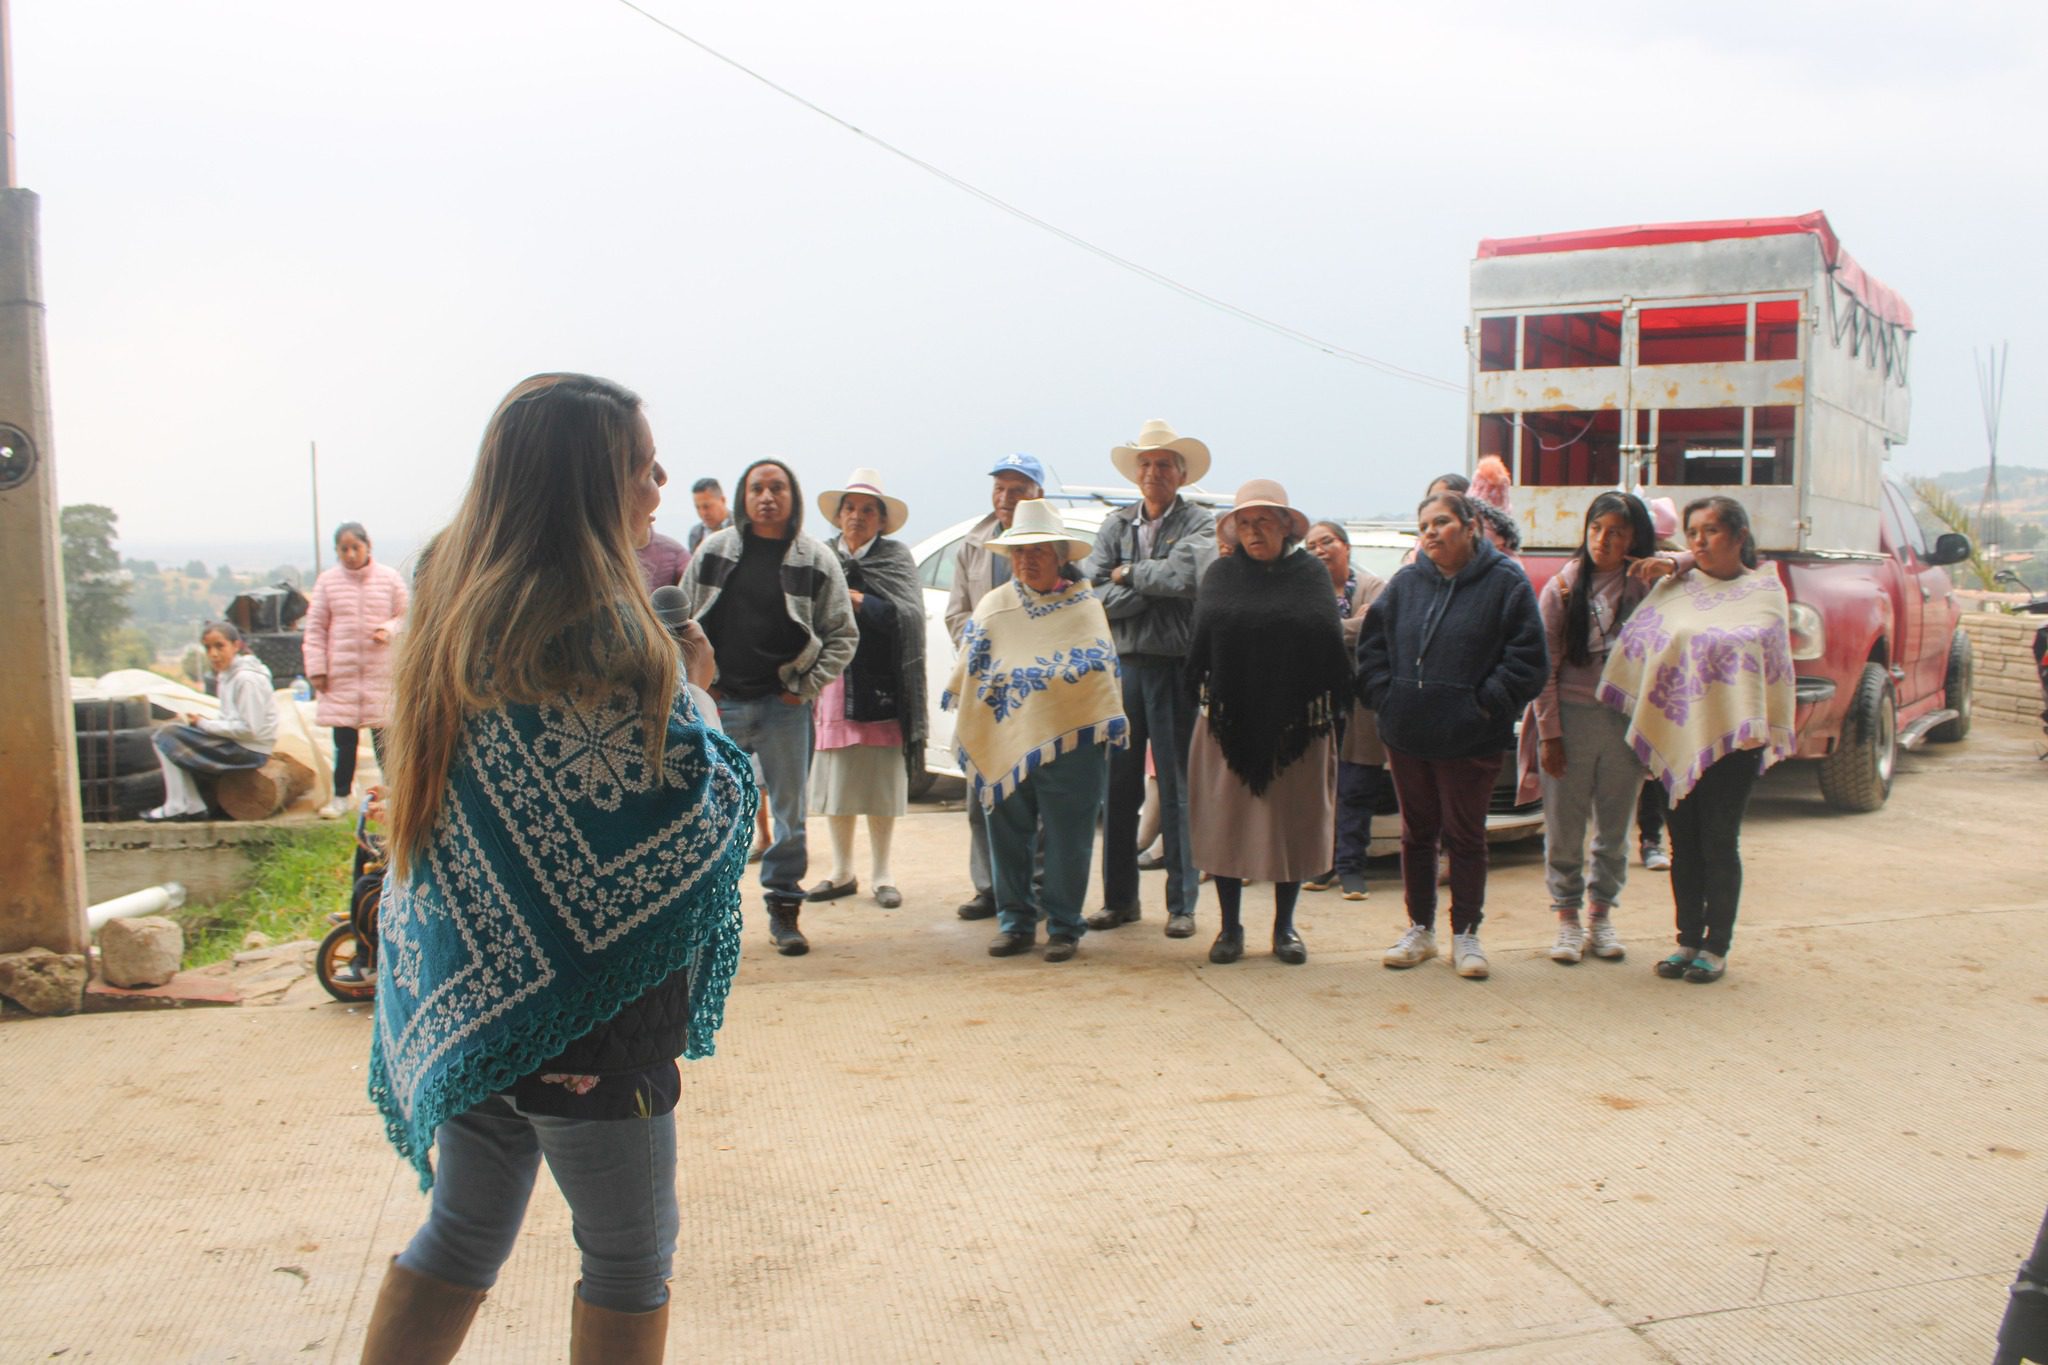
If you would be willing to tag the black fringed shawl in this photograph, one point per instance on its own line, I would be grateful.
(885, 681)
(1268, 660)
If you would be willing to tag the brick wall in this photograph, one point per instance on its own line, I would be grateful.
(2008, 686)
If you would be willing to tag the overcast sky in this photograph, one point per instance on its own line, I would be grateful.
(266, 223)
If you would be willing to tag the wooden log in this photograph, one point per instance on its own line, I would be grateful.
(259, 793)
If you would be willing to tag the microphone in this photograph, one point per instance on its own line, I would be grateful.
(673, 607)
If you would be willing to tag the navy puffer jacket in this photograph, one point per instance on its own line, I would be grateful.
(1447, 664)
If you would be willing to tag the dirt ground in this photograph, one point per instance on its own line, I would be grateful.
(908, 1151)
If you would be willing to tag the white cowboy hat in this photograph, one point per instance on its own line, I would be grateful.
(1037, 522)
(1159, 436)
(1260, 493)
(869, 481)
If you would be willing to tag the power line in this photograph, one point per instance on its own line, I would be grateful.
(1280, 329)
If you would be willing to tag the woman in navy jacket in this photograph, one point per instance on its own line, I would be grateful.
(1448, 657)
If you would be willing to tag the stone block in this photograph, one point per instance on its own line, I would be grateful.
(144, 951)
(43, 982)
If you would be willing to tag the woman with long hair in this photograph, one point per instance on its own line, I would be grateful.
(561, 919)
(1587, 772)
(1703, 675)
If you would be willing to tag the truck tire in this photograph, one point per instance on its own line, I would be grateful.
(116, 753)
(1858, 774)
(121, 798)
(1959, 693)
(109, 713)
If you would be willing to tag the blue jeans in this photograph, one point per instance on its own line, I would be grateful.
(619, 1176)
(1049, 822)
(1160, 713)
(778, 735)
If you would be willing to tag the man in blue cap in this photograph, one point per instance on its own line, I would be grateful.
(1017, 478)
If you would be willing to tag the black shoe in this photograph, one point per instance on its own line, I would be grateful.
(1009, 945)
(1060, 947)
(1228, 947)
(789, 940)
(829, 890)
(1289, 948)
(981, 907)
(1110, 916)
(1180, 926)
(1674, 967)
(1322, 883)
(1155, 863)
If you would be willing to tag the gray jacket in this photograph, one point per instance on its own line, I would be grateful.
(1154, 613)
(973, 575)
(814, 590)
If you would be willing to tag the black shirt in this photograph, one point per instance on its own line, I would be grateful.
(750, 625)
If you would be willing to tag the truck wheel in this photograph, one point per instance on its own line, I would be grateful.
(1858, 774)
(114, 713)
(1959, 693)
(117, 753)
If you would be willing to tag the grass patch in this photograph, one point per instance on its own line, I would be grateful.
(299, 877)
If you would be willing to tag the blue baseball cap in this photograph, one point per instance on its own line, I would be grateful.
(1020, 463)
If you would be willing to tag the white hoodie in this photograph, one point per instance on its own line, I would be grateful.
(248, 706)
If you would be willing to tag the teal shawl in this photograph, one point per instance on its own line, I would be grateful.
(563, 880)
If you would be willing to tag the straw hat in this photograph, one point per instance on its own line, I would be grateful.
(1259, 493)
(1159, 436)
(894, 510)
(1038, 522)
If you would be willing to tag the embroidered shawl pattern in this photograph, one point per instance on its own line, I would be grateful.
(562, 881)
(1704, 668)
(1037, 676)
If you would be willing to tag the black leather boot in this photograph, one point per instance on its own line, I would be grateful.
(789, 940)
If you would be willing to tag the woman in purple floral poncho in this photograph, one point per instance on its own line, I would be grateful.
(1703, 671)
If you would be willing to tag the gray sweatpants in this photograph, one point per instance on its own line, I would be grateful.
(1601, 779)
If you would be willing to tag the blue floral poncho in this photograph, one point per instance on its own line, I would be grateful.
(563, 879)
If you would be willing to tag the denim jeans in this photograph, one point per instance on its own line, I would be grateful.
(1358, 791)
(619, 1176)
(1047, 824)
(1160, 713)
(778, 735)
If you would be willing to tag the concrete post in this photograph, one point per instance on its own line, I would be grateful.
(42, 856)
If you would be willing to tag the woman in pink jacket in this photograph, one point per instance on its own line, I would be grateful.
(357, 609)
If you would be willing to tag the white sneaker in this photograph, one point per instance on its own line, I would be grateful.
(332, 810)
(1606, 943)
(1418, 945)
(1467, 957)
(1571, 942)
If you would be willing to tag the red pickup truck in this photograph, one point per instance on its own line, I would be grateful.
(1752, 358)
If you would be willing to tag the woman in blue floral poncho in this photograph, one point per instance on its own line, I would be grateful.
(561, 920)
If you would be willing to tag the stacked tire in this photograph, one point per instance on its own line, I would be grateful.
(118, 775)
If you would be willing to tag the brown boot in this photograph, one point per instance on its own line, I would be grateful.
(602, 1336)
(418, 1320)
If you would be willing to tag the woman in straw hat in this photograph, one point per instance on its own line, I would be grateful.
(1269, 671)
(1036, 686)
(871, 717)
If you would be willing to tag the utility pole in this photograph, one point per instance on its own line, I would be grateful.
(42, 871)
(313, 448)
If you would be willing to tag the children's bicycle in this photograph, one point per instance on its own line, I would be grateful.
(347, 960)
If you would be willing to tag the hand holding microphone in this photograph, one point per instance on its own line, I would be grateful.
(700, 661)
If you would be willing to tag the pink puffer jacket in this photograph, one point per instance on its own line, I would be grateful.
(348, 604)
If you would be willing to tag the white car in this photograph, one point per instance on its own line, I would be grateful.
(1378, 546)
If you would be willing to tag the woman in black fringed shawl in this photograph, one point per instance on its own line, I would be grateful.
(1271, 676)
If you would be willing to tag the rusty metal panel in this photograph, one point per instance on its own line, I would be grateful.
(1554, 518)
(1596, 389)
(1571, 280)
(1728, 384)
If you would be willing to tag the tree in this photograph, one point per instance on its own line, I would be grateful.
(287, 574)
(196, 569)
(95, 589)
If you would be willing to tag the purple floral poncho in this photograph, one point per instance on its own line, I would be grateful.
(1704, 668)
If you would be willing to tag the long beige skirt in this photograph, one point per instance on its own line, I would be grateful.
(861, 779)
(1287, 835)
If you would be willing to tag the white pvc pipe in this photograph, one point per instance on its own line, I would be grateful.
(150, 901)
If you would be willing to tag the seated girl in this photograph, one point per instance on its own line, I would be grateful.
(242, 736)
